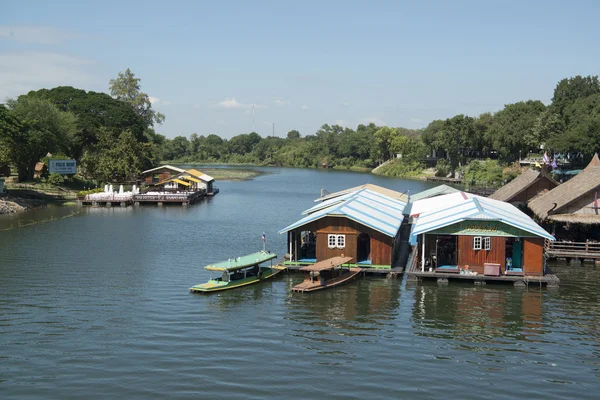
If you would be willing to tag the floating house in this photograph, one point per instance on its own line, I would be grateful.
(466, 236)
(362, 223)
(525, 187)
(159, 174)
(187, 180)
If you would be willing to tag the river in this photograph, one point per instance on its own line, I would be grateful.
(96, 305)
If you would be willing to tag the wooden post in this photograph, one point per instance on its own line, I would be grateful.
(423, 254)
(290, 236)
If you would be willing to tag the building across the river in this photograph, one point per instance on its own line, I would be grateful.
(363, 223)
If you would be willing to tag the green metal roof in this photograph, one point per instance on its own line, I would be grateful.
(241, 262)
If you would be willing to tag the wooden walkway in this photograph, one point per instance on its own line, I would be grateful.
(414, 274)
(160, 199)
(573, 250)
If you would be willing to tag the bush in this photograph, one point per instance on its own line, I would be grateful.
(483, 173)
(442, 168)
(55, 179)
(83, 193)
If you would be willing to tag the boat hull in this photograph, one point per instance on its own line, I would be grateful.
(218, 286)
(312, 286)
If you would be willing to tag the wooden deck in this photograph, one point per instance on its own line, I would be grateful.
(443, 179)
(414, 273)
(573, 250)
(160, 199)
(310, 286)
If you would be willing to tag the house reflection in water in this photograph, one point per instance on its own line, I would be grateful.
(476, 314)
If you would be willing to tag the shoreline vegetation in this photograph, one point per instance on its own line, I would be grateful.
(112, 138)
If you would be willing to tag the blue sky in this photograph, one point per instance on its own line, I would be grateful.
(302, 63)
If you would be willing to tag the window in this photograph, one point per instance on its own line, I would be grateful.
(487, 243)
(331, 241)
(476, 242)
(341, 241)
(334, 241)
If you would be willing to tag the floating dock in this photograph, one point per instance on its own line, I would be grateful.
(152, 198)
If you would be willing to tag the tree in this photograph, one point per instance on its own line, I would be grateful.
(44, 128)
(580, 131)
(514, 127)
(116, 157)
(293, 134)
(569, 90)
(456, 134)
(10, 130)
(93, 111)
(126, 87)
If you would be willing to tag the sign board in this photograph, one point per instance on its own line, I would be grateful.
(481, 228)
(63, 167)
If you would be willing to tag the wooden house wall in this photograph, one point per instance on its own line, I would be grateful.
(381, 245)
(476, 258)
(533, 256)
(531, 191)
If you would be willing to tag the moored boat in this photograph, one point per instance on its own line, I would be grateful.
(326, 274)
(240, 271)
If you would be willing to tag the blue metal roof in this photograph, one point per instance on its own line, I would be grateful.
(475, 208)
(367, 207)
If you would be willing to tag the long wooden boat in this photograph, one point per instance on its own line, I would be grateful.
(326, 274)
(240, 271)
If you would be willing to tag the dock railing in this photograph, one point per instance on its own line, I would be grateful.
(587, 249)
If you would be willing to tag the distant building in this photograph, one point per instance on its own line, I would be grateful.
(40, 169)
(525, 187)
(159, 174)
(575, 201)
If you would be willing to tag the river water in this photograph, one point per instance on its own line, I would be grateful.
(96, 305)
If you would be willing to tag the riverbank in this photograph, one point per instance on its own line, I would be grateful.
(15, 204)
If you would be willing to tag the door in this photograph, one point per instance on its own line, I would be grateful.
(517, 252)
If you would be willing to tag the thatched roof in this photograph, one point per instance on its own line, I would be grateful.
(588, 219)
(516, 186)
(594, 163)
(556, 199)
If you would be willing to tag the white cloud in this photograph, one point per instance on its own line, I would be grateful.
(342, 123)
(346, 105)
(166, 102)
(304, 107)
(153, 100)
(233, 103)
(25, 71)
(281, 102)
(375, 120)
(34, 34)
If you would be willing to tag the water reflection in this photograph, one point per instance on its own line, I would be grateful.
(478, 314)
(330, 320)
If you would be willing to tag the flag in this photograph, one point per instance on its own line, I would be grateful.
(537, 164)
(546, 158)
(264, 238)
(554, 165)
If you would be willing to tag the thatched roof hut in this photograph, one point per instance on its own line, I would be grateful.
(526, 186)
(575, 201)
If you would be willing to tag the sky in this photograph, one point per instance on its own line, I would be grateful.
(302, 64)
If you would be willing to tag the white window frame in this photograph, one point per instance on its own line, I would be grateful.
(487, 243)
(341, 241)
(477, 242)
(332, 241)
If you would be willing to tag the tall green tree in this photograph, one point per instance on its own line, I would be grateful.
(126, 87)
(514, 127)
(44, 128)
(456, 135)
(116, 157)
(570, 89)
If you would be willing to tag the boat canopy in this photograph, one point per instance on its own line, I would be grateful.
(330, 263)
(241, 262)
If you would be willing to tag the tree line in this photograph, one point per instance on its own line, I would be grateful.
(113, 137)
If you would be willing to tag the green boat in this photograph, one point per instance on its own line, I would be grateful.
(240, 271)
